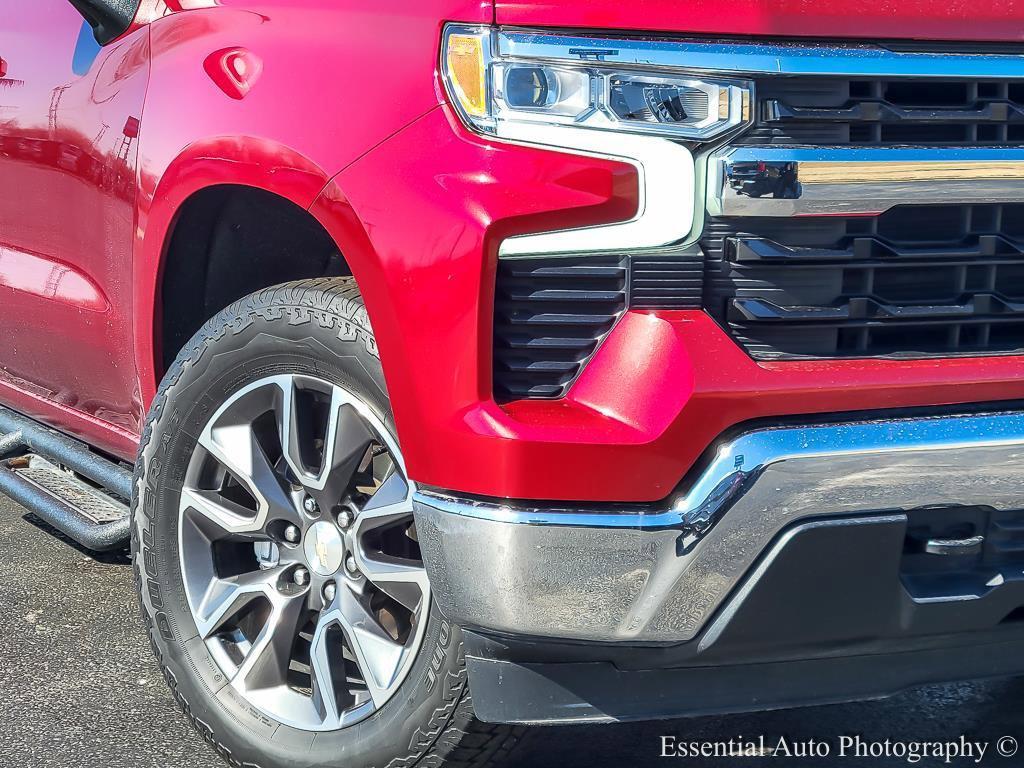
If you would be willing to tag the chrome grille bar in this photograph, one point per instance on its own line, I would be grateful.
(794, 181)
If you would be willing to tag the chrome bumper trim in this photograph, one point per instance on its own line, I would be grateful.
(658, 576)
(758, 58)
(784, 181)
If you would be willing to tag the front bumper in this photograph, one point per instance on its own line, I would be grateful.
(790, 546)
(658, 575)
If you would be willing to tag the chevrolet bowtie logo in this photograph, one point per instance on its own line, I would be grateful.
(321, 553)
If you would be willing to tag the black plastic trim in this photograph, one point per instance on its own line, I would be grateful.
(854, 631)
(109, 19)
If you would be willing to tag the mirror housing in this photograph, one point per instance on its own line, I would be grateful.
(108, 18)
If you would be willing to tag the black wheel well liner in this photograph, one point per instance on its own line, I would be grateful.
(228, 241)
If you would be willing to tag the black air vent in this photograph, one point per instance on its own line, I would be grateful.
(666, 279)
(914, 282)
(840, 111)
(549, 316)
(551, 313)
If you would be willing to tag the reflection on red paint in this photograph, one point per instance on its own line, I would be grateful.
(39, 276)
(131, 128)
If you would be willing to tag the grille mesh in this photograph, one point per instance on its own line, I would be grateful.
(839, 111)
(914, 282)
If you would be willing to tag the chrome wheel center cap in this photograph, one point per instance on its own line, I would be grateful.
(324, 548)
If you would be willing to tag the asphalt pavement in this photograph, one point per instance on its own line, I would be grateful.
(78, 687)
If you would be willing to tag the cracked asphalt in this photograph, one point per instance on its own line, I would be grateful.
(78, 688)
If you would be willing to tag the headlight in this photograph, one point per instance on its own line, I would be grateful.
(491, 92)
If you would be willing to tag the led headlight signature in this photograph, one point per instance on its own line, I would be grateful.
(490, 90)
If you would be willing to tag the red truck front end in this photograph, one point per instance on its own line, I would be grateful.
(708, 351)
(522, 361)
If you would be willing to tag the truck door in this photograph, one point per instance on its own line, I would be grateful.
(69, 124)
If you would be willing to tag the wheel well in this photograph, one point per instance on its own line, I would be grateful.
(229, 241)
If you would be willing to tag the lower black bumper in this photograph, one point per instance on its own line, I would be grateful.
(554, 693)
(837, 610)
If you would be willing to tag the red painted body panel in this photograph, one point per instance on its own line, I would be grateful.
(856, 20)
(67, 218)
(296, 125)
(306, 116)
(314, 101)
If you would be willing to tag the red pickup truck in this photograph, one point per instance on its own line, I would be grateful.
(609, 360)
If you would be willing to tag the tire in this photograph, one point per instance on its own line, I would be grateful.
(317, 328)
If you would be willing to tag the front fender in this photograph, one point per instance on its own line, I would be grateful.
(279, 95)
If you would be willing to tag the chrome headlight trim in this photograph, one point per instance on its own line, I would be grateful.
(667, 195)
(741, 58)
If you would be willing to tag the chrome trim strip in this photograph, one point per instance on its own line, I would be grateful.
(756, 58)
(659, 576)
(793, 181)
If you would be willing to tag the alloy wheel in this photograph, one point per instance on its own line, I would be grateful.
(299, 555)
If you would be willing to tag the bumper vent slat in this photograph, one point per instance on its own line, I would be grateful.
(665, 281)
(550, 315)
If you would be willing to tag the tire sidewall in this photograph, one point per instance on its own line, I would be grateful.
(255, 338)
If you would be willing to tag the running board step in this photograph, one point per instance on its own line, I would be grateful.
(90, 502)
(86, 496)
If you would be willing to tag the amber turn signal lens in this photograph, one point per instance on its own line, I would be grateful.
(466, 73)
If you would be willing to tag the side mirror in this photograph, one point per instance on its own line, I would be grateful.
(108, 18)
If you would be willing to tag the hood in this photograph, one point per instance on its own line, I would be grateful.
(980, 20)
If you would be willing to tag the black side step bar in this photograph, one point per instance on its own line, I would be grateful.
(60, 498)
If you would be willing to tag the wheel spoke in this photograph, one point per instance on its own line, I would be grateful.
(348, 439)
(226, 598)
(321, 671)
(403, 580)
(266, 663)
(239, 451)
(388, 505)
(221, 518)
(289, 428)
(378, 655)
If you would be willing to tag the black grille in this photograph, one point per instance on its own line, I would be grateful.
(549, 316)
(670, 278)
(914, 282)
(551, 313)
(842, 111)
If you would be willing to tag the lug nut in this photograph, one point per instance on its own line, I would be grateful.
(292, 534)
(311, 506)
(301, 577)
(345, 519)
(329, 592)
(350, 565)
